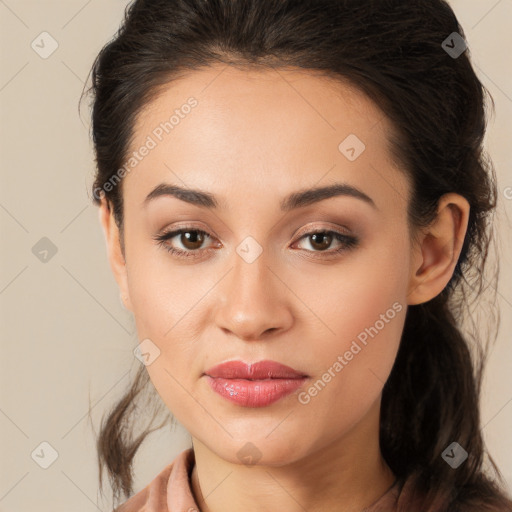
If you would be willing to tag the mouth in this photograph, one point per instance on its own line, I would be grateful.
(254, 385)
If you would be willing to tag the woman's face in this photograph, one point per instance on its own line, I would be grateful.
(260, 285)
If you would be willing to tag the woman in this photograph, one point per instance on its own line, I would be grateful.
(296, 206)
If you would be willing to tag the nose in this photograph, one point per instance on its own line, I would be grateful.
(252, 301)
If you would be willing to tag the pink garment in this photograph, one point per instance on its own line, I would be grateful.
(170, 491)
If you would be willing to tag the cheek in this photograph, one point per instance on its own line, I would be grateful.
(349, 369)
(362, 307)
(352, 296)
(161, 294)
(168, 310)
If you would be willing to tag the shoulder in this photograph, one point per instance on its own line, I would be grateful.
(154, 496)
(155, 490)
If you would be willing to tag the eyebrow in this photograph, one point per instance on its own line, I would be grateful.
(293, 201)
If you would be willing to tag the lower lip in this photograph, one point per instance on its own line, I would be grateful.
(254, 393)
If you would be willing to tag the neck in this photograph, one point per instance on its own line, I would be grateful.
(345, 475)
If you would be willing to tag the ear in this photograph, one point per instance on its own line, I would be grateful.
(437, 252)
(114, 252)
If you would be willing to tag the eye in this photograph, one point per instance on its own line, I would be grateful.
(192, 239)
(322, 239)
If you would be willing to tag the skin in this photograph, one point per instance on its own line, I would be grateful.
(253, 138)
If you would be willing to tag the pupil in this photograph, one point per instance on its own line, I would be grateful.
(193, 237)
(324, 236)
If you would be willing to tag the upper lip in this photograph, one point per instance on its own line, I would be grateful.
(254, 371)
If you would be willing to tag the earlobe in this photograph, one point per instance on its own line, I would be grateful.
(435, 257)
(114, 253)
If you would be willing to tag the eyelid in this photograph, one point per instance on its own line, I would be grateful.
(307, 229)
(190, 226)
(311, 227)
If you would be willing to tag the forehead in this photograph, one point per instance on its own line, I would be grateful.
(301, 95)
(261, 128)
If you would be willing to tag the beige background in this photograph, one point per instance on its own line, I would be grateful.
(65, 336)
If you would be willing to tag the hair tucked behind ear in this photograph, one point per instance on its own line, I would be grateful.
(392, 51)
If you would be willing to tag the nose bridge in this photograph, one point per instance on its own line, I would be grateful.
(250, 277)
(251, 301)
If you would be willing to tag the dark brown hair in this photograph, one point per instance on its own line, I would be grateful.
(392, 51)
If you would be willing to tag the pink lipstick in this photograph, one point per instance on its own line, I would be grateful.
(254, 385)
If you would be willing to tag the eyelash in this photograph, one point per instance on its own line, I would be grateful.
(348, 242)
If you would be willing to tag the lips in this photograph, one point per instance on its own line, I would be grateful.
(260, 370)
(254, 384)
